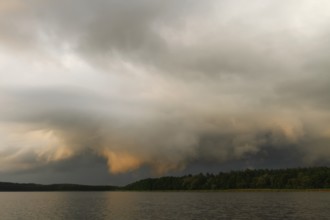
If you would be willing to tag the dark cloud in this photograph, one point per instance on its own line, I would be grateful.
(151, 87)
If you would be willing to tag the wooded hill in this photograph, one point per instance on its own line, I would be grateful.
(296, 178)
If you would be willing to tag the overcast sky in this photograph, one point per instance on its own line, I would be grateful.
(111, 91)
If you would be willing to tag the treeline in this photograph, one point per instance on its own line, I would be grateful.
(297, 178)
(5, 186)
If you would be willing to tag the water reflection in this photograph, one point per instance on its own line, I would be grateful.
(164, 205)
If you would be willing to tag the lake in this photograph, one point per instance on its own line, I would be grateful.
(164, 205)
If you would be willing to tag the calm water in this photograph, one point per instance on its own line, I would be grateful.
(164, 205)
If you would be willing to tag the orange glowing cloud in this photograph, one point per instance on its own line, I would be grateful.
(120, 162)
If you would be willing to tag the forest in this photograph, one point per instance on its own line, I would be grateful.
(293, 178)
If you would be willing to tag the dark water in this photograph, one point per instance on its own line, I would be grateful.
(164, 205)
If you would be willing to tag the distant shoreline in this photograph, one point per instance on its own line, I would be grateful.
(179, 191)
(233, 190)
(315, 179)
(31, 187)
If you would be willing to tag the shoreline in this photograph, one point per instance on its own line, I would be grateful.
(197, 191)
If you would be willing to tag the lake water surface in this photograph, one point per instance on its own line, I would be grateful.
(164, 205)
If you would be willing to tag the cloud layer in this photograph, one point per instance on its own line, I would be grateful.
(164, 84)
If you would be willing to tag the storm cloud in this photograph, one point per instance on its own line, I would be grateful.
(163, 86)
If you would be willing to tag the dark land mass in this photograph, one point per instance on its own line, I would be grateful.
(260, 179)
(5, 186)
(294, 178)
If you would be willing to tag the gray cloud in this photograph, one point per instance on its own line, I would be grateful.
(163, 86)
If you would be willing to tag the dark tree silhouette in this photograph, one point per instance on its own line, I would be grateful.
(294, 178)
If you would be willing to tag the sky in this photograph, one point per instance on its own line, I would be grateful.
(112, 91)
